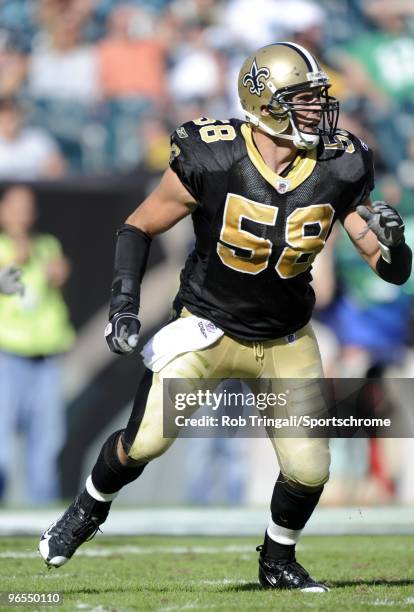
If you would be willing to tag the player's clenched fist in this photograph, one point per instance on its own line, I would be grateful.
(121, 333)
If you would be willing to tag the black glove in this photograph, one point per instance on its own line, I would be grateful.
(121, 333)
(384, 221)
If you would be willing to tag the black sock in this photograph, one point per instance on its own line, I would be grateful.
(109, 475)
(292, 507)
(92, 506)
(278, 551)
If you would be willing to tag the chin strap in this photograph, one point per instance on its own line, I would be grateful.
(299, 141)
(297, 137)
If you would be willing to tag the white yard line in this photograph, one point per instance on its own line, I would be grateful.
(135, 550)
(190, 606)
(219, 521)
(225, 581)
(391, 603)
(83, 606)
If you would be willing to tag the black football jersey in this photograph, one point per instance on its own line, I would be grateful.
(256, 232)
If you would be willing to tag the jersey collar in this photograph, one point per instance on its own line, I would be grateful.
(302, 166)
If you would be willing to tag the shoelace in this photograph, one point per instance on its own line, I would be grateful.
(84, 528)
(65, 532)
(294, 565)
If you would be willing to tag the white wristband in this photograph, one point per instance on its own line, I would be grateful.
(385, 253)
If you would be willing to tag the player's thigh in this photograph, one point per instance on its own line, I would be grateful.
(303, 457)
(151, 428)
(143, 437)
(299, 358)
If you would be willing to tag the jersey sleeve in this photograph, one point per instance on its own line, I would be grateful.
(184, 159)
(202, 152)
(361, 173)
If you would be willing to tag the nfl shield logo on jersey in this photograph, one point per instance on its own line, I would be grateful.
(282, 186)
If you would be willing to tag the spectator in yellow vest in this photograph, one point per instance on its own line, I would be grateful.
(35, 329)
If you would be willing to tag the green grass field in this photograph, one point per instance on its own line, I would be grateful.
(186, 573)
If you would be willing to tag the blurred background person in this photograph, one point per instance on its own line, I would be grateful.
(13, 63)
(379, 64)
(131, 56)
(62, 82)
(35, 330)
(132, 68)
(197, 73)
(62, 64)
(26, 153)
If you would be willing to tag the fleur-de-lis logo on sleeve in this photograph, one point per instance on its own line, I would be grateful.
(253, 77)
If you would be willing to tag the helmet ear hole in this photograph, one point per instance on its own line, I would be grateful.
(264, 109)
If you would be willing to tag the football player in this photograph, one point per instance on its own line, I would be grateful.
(263, 194)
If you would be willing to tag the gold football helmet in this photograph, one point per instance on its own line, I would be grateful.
(271, 77)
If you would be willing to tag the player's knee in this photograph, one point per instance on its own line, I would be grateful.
(122, 450)
(308, 474)
(309, 480)
(144, 451)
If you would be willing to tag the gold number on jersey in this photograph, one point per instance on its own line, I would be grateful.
(306, 231)
(206, 121)
(257, 249)
(340, 142)
(209, 132)
(213, 133)
(348, 144)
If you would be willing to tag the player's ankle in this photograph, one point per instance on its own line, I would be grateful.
(278, 551)
(93, 506)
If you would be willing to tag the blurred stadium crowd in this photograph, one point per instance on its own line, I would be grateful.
(100, 83)
(94, 87)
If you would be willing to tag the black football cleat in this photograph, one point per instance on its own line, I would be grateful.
(286, 574)
(63, 537)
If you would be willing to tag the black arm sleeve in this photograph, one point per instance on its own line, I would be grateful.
(131, 256)
(399, 270)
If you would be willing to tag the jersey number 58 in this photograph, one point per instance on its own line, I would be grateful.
(305, 234)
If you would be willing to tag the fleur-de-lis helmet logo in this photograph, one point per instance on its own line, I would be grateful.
(254, 78)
